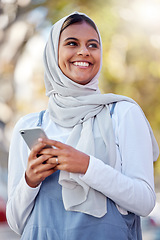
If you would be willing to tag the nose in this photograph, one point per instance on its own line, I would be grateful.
(83, 51)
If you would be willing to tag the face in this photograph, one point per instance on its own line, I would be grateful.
(79, 52)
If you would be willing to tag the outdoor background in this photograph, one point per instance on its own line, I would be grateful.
(130, 31)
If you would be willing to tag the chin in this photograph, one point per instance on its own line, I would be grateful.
(80, 80)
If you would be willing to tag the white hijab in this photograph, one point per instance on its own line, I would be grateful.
(81, 107)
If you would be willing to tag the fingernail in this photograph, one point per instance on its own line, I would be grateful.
(40, 140)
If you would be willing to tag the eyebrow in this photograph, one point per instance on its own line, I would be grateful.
(76, 39)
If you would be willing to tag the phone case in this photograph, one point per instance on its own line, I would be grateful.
(31, 135)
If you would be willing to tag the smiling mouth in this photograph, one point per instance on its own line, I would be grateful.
(81, 64)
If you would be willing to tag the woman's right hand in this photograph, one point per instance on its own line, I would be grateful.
(37, 168)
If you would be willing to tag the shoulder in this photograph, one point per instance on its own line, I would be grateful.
(122, 108)
(123, 104)
(128, 114)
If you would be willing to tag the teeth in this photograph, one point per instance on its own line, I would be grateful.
(82, 64)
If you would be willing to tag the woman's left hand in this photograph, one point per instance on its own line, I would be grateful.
(69, 158)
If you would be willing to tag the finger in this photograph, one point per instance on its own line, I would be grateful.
(46, 167)
(50, 151)
(40, 169)
(36, 149)
(34, 162)
(39, 176)
(54, 143)
(54, 161)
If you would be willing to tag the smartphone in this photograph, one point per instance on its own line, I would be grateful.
(31, 136)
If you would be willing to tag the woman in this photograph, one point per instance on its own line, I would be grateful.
(97, 179)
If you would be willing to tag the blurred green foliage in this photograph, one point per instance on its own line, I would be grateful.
(130, 58)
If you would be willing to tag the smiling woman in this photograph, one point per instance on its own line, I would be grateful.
(79, 52)
(90, 176)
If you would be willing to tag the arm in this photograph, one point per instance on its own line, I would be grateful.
(20, 205)
(20, 195)
(133, 187)
(26, 172)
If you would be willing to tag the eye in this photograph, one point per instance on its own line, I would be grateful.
(72, 44)
(93, 45)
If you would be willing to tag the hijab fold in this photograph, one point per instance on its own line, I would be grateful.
(83, 108)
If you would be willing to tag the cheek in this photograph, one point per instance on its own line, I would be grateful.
(98, 60)
(97, 57)
(61, 57)
(61, 62)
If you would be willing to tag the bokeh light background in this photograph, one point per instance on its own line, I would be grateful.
(130, 33)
